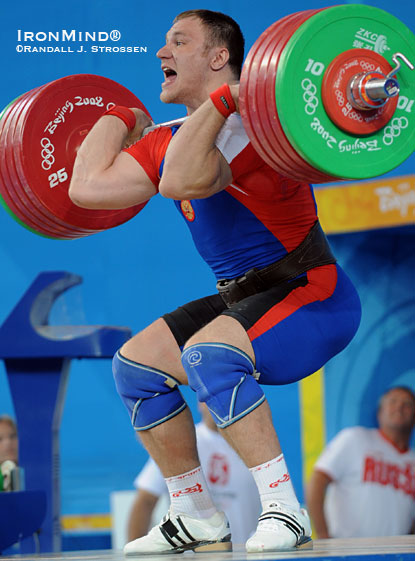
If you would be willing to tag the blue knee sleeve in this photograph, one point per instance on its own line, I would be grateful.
(151, 396)
(222, 376)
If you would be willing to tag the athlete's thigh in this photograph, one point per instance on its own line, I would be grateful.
(232, 326)
(296, 328)
(159, 345)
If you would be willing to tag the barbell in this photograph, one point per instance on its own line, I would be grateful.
(325, 95)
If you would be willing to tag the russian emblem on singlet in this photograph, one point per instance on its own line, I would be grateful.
(187, 210)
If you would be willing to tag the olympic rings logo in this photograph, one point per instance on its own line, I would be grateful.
(340, 98)
(393, 130)
(309, 96)
(355, 116)
(48, 159)
(194, 357)
(367, 66)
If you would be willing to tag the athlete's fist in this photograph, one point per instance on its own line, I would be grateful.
(142, 121)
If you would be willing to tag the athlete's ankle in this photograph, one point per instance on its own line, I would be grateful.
(274, 484)
(189, 494)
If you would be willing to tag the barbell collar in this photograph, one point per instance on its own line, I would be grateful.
(382, 89)
(362, 93)
(366, 91)
(398, 64)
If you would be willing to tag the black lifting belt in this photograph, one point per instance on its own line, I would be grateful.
(313, 251)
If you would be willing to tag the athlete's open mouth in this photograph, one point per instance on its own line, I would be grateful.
(169, 74)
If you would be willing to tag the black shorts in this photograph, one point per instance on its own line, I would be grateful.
(294, 327)
(186, 320)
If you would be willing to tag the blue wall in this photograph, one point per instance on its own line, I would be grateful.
(382, 265)
(146, 267)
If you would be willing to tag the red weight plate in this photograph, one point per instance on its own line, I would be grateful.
(247, 94)
(70, 230)
(275, 142)
(32, 217)
(255, 109)
(54, 125)
(305, 171)
(6, 185)
(266, 99)
(334, 92)
(26, 197)
(11, 198)
(251, 112)
(257, 99)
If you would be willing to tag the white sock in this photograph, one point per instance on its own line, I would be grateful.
(189, 494)
(274, 484)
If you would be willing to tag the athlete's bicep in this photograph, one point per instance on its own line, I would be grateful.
(121, 185)
(131, 181)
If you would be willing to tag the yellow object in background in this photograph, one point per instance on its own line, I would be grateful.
(313, 429)
(367, 205)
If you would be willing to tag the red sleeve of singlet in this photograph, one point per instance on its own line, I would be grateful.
(149, 152)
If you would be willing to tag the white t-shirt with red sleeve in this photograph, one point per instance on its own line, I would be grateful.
(373, 488)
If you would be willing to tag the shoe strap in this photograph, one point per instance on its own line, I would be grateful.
(289, 521)
(171, 532)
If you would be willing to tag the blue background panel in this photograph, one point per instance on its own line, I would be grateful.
(148, 266)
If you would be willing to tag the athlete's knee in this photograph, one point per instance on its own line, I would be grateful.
(224, 378)
(150, 395)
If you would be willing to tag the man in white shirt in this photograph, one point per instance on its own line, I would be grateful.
(369, 476)
(231, 484)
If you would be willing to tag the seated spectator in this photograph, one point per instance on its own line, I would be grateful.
(8, 439)
(230, 481)
(369, 476)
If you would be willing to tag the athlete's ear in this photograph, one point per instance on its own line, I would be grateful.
(220, 56)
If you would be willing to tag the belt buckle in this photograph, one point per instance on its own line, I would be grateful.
(229, 290)
(222, 285)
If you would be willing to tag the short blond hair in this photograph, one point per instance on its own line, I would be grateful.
(8, 420)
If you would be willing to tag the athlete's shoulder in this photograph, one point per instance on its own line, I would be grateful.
(150, 150)
(152, 142)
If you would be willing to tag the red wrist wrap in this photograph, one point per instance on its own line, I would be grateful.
(123, 113)
(223, 100)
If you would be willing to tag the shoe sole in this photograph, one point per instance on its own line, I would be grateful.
(211, 547)
(198, 547)
(304, 543)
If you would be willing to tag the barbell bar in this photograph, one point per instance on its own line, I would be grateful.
(319, 99)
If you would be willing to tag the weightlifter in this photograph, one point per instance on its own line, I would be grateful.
(284, 307)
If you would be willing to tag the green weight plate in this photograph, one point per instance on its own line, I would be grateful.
(298, 86)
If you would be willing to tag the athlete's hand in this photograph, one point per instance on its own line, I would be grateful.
(142, 121)
(235, 94)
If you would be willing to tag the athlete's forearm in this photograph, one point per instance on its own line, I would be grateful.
(104, 177)
(96, 154)
(140, 514)
(194, 168)
(316, 491)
